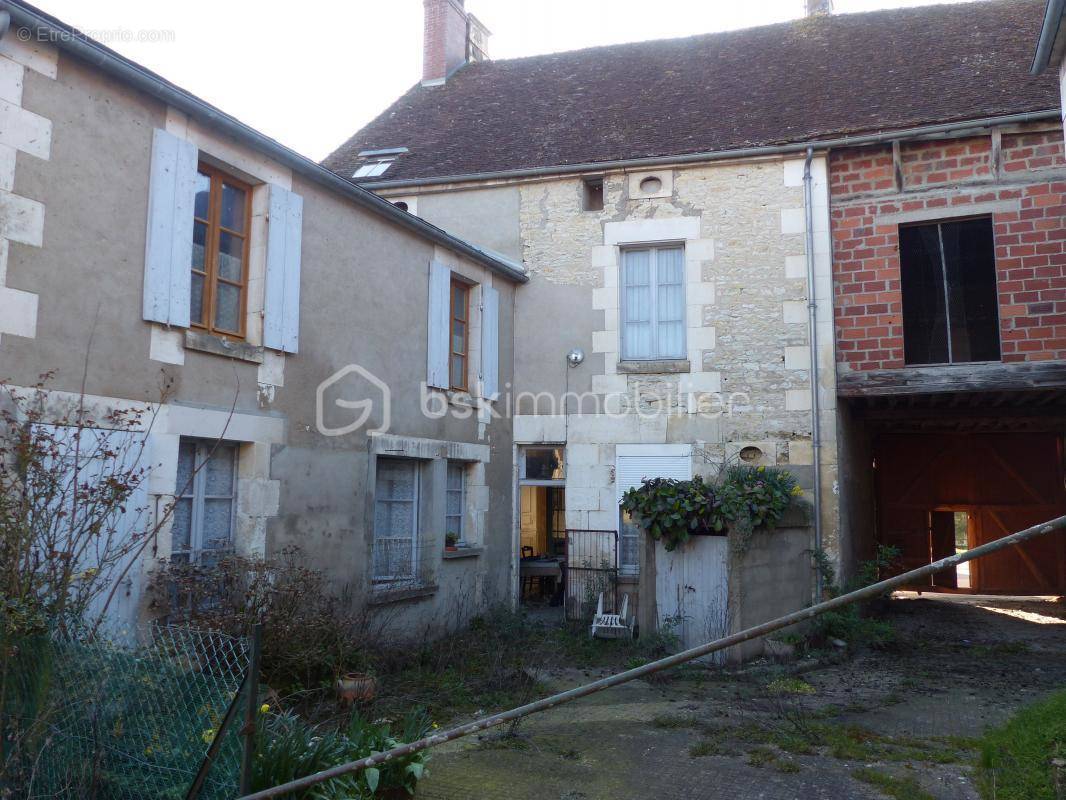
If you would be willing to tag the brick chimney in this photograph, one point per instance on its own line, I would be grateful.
(818, 8)
(452, 38)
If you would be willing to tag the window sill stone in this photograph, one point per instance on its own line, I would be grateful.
(216, 345)
(669, 366)
(459, 398)
(380, 596)
(463, 552)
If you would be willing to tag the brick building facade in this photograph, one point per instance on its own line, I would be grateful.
(949, 270)
(1015, 177)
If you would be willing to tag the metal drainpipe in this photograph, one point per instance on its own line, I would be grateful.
(812, 322)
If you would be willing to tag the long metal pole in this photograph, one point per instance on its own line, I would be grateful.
(216, 743)
(868, 592)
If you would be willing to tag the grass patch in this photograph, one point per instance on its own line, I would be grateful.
(504, 741)
(786, 686)
(850, 743)
(673, 722)
(713, 743)
(761, 756)
(1014, 761)
(768, 757)
(1001, 649)
(896, 788)
(708, 747)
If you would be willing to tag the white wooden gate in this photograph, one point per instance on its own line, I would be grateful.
(692, 590)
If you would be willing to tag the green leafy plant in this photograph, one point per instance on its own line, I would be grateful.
(884, 563)
(288, 748)
(849, 624)
(742, 498)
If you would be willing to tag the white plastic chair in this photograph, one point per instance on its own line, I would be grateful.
(612, 626)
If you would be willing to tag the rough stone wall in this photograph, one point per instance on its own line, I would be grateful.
(751, 278)
(1016, 178)
(746, 383)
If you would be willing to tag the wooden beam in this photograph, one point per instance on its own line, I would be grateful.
(944, 379)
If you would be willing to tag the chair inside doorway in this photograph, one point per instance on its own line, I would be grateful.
(543, 540)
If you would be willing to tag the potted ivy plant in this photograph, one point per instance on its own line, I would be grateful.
(451, 542)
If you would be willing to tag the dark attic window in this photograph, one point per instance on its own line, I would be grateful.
(593, 194)
(950, 311)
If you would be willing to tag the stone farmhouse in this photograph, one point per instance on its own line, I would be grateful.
(885, 228)
(797, 246)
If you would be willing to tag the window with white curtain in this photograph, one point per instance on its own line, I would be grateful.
(395, 520)
(653, 303)
(204, 508)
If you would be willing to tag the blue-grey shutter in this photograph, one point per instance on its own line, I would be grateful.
(168, 251)
(440, 282)
(490, 342)
(281, 311)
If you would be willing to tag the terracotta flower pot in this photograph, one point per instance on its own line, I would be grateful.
(356, 687)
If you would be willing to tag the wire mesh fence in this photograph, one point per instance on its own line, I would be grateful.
(95, 720)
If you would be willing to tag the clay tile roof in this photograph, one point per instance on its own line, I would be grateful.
(777, 84)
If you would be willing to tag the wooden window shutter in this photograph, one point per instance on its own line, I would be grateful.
(281, 311)
(490, 342)
(168, 249)
(440, 284)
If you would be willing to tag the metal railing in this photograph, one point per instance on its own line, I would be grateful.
(591, 571)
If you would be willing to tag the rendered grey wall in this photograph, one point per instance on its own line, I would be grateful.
(486, 217)
(364, 301)
(773, 578)
(90, 270)
(373, 280)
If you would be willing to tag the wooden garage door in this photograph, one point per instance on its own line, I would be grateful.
(1008, 481)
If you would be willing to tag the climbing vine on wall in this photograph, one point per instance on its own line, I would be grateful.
(741, 500)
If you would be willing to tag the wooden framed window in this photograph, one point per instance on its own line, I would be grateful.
(459, 335)
(221, 221)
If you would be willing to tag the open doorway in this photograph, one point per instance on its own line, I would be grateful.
(542, 528)
(543, 543)
(949, 534)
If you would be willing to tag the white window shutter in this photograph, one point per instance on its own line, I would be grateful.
(168, 251)
(440, 282)
(631, 470)
(281, 311)
(490, 342)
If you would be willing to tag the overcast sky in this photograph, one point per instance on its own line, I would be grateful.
(312, 73)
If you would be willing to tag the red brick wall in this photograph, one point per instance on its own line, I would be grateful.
(443, 37)
(1030, 239)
